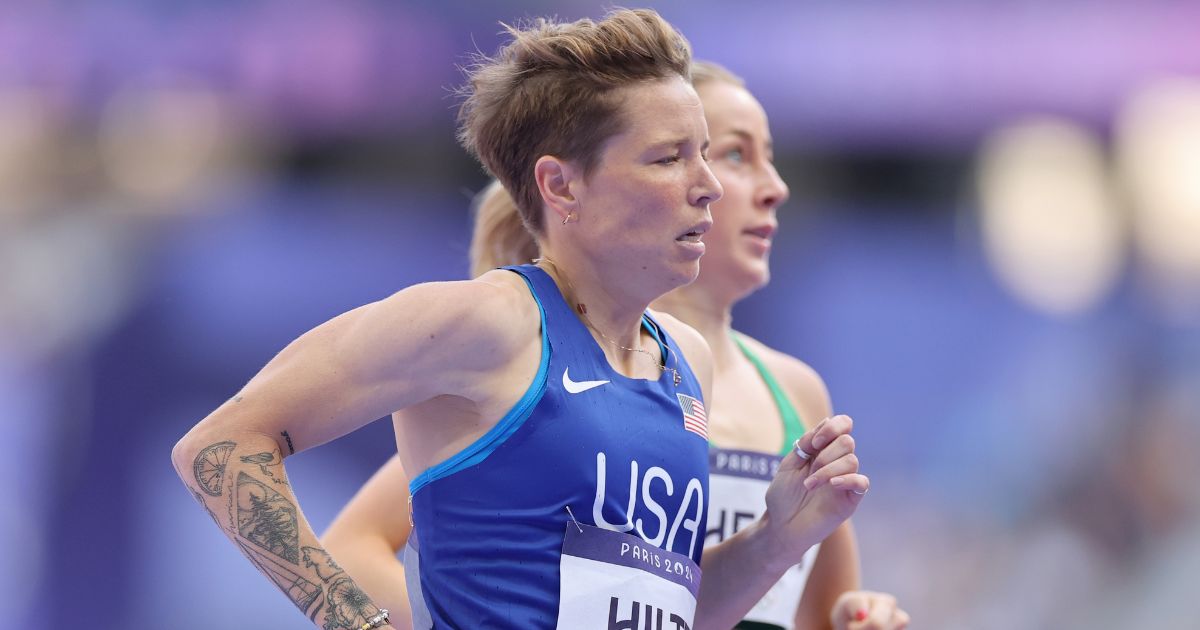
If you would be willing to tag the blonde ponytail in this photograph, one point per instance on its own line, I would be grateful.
(499, 237)
(704, 71)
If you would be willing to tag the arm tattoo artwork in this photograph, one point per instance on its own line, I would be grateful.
(348, 604)
(209, 467)
(267, 519)
(267, 532)
(265, 459)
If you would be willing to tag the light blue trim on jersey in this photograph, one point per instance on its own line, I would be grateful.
(490, 441)
(651, 327)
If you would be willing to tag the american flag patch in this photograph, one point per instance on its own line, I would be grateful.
(694, 419)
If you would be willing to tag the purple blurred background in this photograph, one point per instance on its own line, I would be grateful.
(992, 255)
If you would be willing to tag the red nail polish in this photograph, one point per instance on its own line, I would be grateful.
(860, 614)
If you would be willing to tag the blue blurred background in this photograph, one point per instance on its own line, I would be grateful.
(992, 254)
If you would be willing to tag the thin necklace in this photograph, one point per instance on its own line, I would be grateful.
(581, 308)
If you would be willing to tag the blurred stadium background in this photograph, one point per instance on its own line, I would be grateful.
(992, 254)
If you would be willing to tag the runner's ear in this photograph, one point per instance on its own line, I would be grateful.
(555, 179)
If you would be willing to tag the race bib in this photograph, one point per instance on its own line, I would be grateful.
(616, 581)
(737, 484)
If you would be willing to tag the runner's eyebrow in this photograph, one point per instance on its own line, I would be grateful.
(748, 138)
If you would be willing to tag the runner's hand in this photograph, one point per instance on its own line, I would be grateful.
(809, 498)
(867, 610)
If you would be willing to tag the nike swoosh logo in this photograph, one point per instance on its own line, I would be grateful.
(576, 387)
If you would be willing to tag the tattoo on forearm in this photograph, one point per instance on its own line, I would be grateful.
(319, 559)
(303, 592)
(349, 606)
(345, 604)
(264, 460)
(229, 509)
(209, 467)
(266, 528)
(267, 518)
(291, 449)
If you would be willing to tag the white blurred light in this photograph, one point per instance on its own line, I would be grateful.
(1050, 227)
(162, 145)
(62, 282)
(1158, 139)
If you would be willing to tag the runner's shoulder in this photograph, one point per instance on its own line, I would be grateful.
(802, 383)
(694, 346)
(490, 317)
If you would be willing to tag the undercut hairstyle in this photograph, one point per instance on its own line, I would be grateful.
(554, 89)
(500, 237)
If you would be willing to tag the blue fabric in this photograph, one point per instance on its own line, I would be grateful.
(491, 519)
(481, 448)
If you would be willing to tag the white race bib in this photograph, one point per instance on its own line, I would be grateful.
(737, 485)
(616, 581)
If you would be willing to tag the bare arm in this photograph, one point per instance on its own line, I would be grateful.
(797, 517)
(832, 598)
(341, 375)
(806, 501)
(240, 481)
(369, 532)
(836, 571)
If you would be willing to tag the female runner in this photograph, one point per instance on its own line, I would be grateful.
(762, 397)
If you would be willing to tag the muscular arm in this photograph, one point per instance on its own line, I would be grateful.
(349, 371)
(369, 532)
(240, 481)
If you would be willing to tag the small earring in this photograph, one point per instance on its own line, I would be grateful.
(569, 218)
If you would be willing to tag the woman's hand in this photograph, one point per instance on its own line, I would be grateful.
(816, 488)
(867, 610)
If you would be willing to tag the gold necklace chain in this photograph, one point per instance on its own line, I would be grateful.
(581, 309)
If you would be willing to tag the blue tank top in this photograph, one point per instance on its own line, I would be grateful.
(621, 453)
